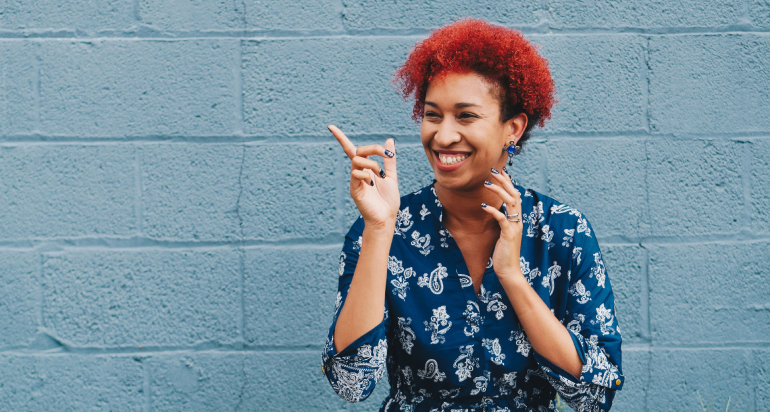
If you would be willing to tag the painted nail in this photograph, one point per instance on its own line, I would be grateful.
(487, 182)
(371, 182)
(505, 170)
(483, 205)
(495, 171)
(382, 173)
(389, 153)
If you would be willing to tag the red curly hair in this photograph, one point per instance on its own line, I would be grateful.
(500, 54)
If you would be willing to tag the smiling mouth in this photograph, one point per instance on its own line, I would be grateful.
(450, 160)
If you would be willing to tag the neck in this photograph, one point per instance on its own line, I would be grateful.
(463, 211)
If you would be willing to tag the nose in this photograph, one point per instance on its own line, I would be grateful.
(447, 133)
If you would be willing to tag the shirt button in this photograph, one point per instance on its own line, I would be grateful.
(617, 382)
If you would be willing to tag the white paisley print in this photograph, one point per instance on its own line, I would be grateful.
(447, 348)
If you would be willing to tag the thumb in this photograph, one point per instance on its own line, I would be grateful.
(390, 162)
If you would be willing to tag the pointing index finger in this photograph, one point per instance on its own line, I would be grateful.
(347, 146)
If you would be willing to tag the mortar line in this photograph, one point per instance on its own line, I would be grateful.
(645, 295)
(645, 67)
(147, 385)
(746, 170)
(239, 90)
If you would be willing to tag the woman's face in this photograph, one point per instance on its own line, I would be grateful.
(462, 126)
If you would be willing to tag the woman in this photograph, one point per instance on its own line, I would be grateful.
(476, 293)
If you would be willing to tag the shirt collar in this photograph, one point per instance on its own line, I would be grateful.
(434, 206)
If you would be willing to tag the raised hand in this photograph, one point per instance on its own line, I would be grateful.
(376, 197)
(506, 259)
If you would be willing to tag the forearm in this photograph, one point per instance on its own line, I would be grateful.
(546, 334)
(364, 306)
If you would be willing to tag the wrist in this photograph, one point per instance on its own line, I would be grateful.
(513, 277)
(387, 227)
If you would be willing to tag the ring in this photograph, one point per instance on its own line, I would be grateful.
(507, 216)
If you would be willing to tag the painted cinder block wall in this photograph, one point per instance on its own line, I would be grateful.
(172, 206)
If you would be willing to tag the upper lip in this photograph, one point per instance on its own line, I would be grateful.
(451, 152)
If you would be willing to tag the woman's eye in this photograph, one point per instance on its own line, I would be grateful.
(431, 114)
(467, 115)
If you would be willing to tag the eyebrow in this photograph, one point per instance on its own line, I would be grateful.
(457, 106)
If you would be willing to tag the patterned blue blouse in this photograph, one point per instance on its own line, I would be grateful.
(447, 349)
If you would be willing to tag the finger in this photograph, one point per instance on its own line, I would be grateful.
(363, 176)
(510, 201)
(505, 181)
(498, 215)
(364, 163)
(390, 161)
(347, 146)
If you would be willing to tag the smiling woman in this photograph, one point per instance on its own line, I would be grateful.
(474, 292)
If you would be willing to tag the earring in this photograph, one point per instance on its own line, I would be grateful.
(512, 149)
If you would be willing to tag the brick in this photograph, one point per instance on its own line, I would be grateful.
(254, 15)
(717, 298)
(648, 14)
(605, 180)
(759, 12)
(289, 294)
(678, 374)
(420, 14)
(636, 370)
(18, 73)
(299, 86)
(709, 83)
(289, 191)
(624, 268)
(179, 87)
(143, 298)
(20, 302)
(54, 191)
(603, 73)
(57, 15)
(760, 185)
(694, 187)
(304, 389)
(69, 382)
(197, 381)
(190, 191)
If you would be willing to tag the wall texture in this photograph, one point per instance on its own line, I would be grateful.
(172, 206)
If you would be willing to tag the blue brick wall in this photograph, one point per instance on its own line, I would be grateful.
(172, 206)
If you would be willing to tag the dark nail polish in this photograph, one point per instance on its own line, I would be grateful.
(389, 153)
(371, 182)
(487, 182)
(483, 205)
(495, 171)
(382, 173)
(505, 170)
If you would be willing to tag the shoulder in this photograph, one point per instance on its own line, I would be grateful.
(552, 212)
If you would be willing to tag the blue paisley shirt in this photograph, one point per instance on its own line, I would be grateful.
(446, 348)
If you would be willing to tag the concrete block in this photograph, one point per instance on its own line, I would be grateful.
(598, 80)
(200, 381)
(648, 14)
(186, 15)
(760, 185)
(759, 12)
(51, 191)
(762, 396)
(299, 86)
(714, 83)
(680, 375)
(289, 294)
(289, 191)
(127, 88)
(636, 369)
(624, 268)
(67, 382)
(18, 97)
(694, 187)
(713, 293)
(190, 191)
(19, 297)
(143, 298)
(58, 15)
(603, 178)
(431, 14)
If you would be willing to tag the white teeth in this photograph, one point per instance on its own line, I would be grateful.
(450, 160)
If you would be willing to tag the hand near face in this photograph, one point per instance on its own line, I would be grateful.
(506, 259)
(376, 197)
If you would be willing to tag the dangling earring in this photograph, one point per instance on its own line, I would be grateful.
(512, 150)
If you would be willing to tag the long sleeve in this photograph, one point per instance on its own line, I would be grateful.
(354, 372)
(593, 326)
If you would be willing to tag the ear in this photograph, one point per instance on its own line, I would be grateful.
(515, 126)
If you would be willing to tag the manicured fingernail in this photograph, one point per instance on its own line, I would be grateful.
(483, 205)
(382, 173)
(505, 170)
(389, 153)
(495, 171)
(371, 182)
(487, 182)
